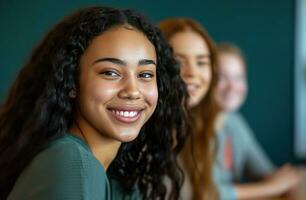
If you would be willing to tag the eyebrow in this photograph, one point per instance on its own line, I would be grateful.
(123, 63)
(204, 56)
(146, 62)
(198, 56)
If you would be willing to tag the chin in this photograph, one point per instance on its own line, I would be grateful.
(127, 136)
(194, 101)
(230, 108)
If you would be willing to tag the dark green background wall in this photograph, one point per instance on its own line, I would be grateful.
(263, 29)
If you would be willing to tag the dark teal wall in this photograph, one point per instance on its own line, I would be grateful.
(263, 29)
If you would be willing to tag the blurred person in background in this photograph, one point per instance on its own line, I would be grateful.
(238, 153)
(195, 51)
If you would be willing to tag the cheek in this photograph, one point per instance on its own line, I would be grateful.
(150, 93)
(205, 75)
(100, 91)
(153, 97)
(241, 88)
(184, 72)
(221, 88)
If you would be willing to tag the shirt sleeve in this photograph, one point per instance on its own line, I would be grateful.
(257, 163)
(62, 172)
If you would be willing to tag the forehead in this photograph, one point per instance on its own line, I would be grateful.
(230, 64)
(189, 42)
(122, 42)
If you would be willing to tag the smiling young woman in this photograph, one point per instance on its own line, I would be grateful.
(239, 156)
(118, 91)
(101, 92)
(195, 51)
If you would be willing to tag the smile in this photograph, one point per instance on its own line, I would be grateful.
(121, 113)
(125, 116)
(192, 87)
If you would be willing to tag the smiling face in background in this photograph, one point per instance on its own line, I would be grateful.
(231, 87)
(117, 88)
(193, 53)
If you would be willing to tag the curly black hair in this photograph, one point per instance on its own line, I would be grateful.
(38, 108)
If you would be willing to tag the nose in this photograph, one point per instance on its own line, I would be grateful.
(189, 70)
(231, 83)
(130, 89)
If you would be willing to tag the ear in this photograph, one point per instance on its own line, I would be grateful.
(72, 93)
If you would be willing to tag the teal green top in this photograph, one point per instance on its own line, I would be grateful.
(67, 170)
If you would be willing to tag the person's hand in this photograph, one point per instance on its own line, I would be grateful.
(283, 180)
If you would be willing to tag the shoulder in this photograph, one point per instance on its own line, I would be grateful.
(236, 118)
(238, 123)
(65, 150)
(64, 170)
(64, 154)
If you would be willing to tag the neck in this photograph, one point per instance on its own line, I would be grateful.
(220, 121)
(104, 148)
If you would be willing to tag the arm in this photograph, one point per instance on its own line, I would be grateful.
(279, 183)
(256, 162)
(253, 191)
(258, 165)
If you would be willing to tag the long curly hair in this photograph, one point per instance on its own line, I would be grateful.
(199, 165)
(38, 108)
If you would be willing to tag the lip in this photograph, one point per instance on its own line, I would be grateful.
(125, 114)
(191, 87)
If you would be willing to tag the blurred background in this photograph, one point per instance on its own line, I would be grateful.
(265, 31)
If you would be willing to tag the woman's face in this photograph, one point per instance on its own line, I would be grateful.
(231, 87)
(193, 53)
(117, 89)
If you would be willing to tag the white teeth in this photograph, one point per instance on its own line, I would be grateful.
(125, 113)
(191, 87)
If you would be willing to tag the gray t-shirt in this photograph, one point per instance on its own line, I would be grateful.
(248, 158)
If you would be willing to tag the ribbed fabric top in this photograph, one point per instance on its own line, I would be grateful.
(66, 170)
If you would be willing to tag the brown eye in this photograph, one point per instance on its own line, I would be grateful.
(110, 74)
(203, 63)
(146, 75)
